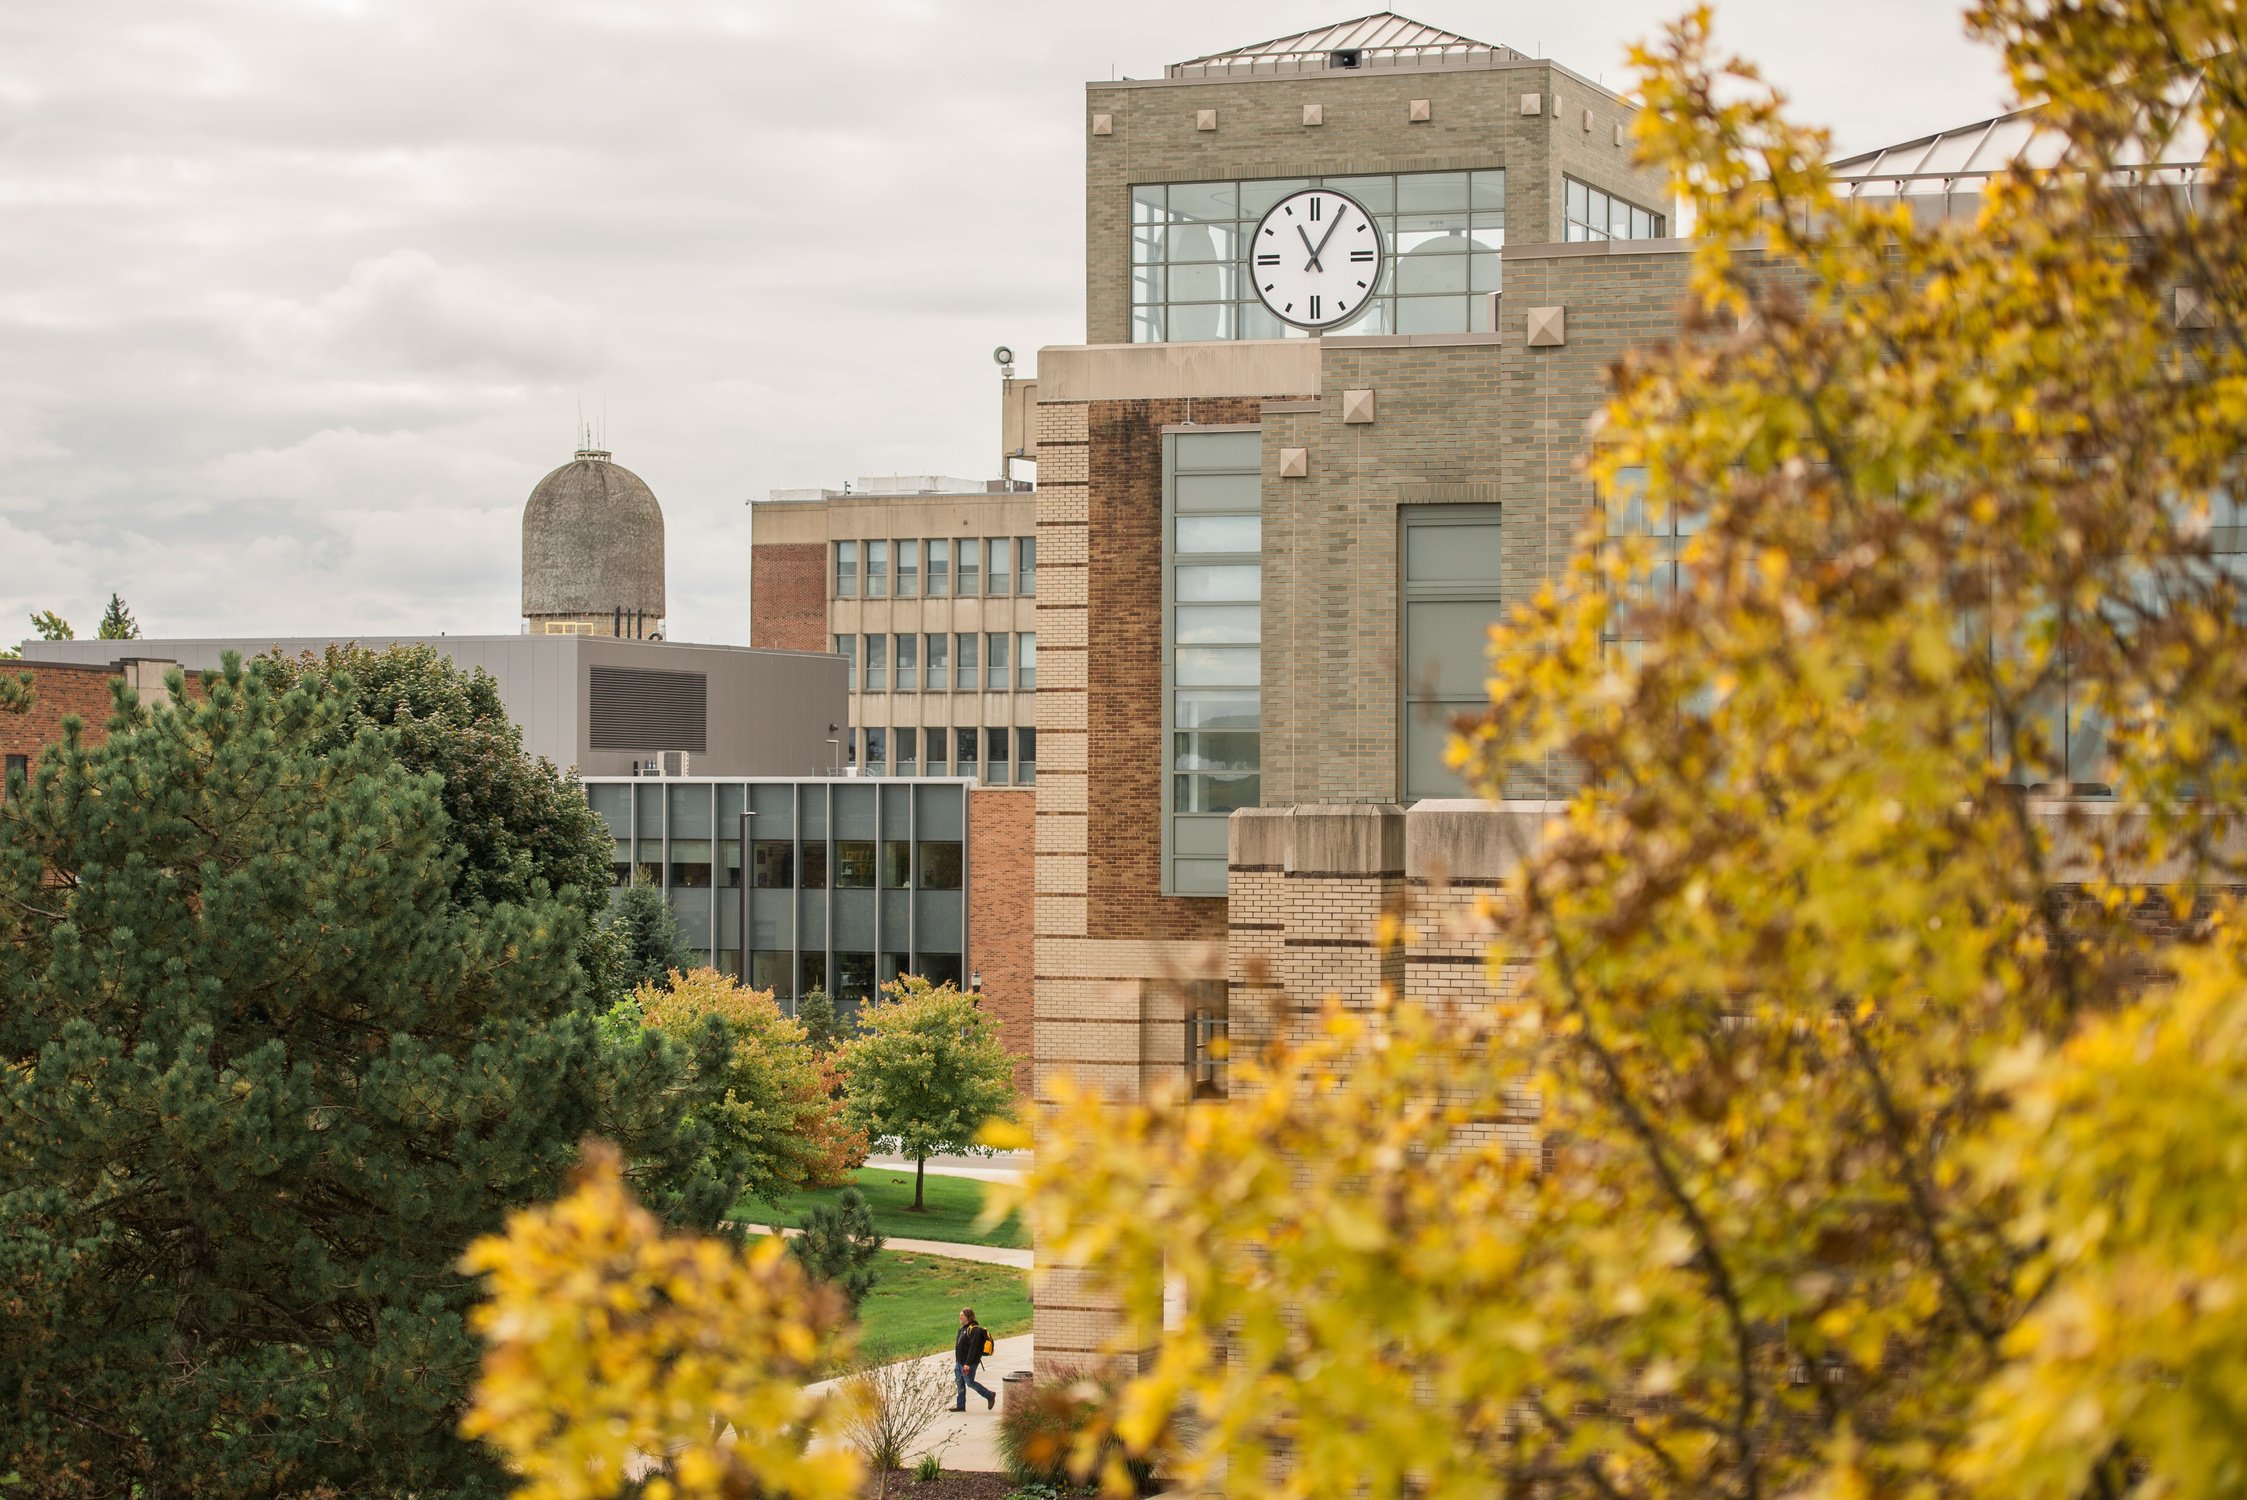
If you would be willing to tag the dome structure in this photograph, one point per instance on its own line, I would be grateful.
(593, 551)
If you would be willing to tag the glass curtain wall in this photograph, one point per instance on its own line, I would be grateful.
(897, 853)
(1189, 272)
(1594, 215)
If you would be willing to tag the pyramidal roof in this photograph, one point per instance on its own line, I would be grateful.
(1384, 40)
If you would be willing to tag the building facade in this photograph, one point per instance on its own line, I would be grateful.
(927, 587)
(598, 705)
(1271, 554)
(838, 883)
(81, 690)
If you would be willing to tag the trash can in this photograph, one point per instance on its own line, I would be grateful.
(1015, 1387)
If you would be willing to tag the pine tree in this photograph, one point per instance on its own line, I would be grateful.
(816, 1014)
(49, 626)
(117, 622)
(262, 1078)
(643, 923)
(838, 1245)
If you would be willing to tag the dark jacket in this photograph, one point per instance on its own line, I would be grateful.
(967, 1349)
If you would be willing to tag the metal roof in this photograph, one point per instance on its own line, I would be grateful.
(1383, 40)
(1970, 154)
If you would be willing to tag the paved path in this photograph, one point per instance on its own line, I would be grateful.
(970, 1439)
(1006, 1166)
(990, 1255)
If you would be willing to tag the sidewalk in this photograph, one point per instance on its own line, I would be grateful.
(990, 1255)
(970, 1439)
(1006, 1166)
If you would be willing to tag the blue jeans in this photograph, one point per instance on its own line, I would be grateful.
(964, 1377)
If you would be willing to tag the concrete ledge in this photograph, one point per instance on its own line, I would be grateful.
(1468, 839)
(1144, 372)
(1565, 250)
(1411, 340)
(1343, 840)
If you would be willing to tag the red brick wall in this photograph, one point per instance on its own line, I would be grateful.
(1123, 828)
(788, 596)
(1001, 827)
(60, 690)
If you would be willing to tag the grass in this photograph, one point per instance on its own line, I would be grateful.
(953, 1204)
(915, 1307)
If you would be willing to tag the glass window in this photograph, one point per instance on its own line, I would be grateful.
(1000, 577)
(847, 647)
(941, 969)
(768, 970)
(877, 750)
(854, 977)
(939, 663)
(908, 749)
(1207, 1047)
(815, 973)
(729, 864)
(877, 569)
(815, 865)
(854, 864)
(908, 663)
(846, 570)
(939, 566)
(963, 754)
(1025, 565)
(1449, 557)
(690, 864)
(775, 864)
(997, 661)
(1026, 661)
(940, 865)
(971, 565)
(968, 677)
(897, 865)
(1212, 637)
(908, 569)
(877, 664)
(995, 756)
(1025, 757)
(1186, 284)
(1594, 215)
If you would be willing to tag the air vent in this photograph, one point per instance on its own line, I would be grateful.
(636, 709)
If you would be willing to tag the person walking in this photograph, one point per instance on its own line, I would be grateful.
(967, 1356)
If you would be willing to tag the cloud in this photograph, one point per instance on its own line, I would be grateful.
(404, 312)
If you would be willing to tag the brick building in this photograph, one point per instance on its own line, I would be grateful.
(927, 586)
(65, 689)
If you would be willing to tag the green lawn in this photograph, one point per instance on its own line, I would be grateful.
(953, 1203)
(915, 1307)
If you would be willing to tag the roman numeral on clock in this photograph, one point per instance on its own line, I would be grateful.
(1267, 260)
(1314, 300)
(1315, 210)
(1361, 256)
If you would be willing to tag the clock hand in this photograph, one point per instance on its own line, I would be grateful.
(1313, 263)
(1337, 224)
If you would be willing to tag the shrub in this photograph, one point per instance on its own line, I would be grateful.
(1062, 1433)
(929, 1469)
(892, 1408)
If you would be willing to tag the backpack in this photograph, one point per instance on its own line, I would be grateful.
(988, 1346)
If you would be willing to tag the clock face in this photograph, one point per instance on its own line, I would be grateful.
(1316, 258)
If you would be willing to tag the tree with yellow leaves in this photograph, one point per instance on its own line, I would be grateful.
(774, 1123)
(1890, 1091)
(621, 1355)
(1889, 1088)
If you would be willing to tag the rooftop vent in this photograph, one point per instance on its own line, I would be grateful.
(1346, 57)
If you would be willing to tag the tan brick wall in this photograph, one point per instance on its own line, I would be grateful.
(788, 596)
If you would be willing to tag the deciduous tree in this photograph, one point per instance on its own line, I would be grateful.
(925, 1073)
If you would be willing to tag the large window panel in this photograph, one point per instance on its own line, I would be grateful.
(1187, 238)
(1449, 564)
(1212, 649)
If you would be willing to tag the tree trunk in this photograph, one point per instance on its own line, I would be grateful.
(920, 1177)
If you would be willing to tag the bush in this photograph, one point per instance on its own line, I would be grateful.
(929, 1470)
(892, 1408)
(839, 1243)
(1063, 1433)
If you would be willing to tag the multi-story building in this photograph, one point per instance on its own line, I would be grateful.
(927, 586)
(839, 883)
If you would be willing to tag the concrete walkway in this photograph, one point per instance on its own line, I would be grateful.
(967, 1440)
(990, 1255)
(1006, 1166)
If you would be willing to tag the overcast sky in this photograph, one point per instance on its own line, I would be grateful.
(299, 298)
